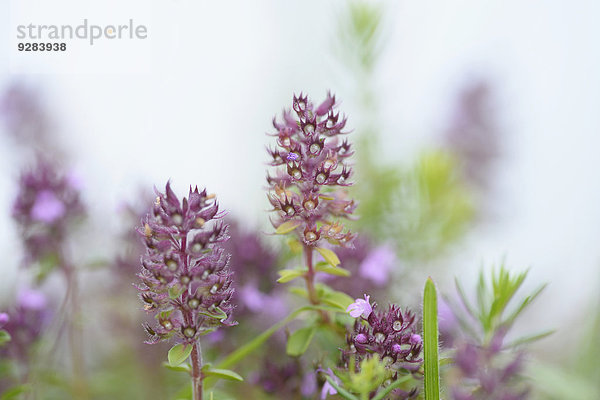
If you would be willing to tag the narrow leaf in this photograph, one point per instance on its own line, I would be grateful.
(178, 368)
(178, 354)
(224, 374)
(329, 256)
(287, 227)
(340, 390)
(526, 302)
(430, 342)
(529, 339)
(337, 299)
(328, 269)
(394, 385)
(298, 341)
(288, 275)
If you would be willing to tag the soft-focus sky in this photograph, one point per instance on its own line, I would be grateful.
(197, 110)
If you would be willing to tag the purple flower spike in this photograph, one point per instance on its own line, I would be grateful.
(360, 308)
(186, 279)
(312, 167)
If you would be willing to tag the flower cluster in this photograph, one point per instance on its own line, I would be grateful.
(47, 203)
(390, 334)
(312, 167)
(185, 275)
(484, 372)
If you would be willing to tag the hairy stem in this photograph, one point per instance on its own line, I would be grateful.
(310, 276)
(197, 371)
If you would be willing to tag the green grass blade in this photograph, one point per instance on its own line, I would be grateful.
(430, 342)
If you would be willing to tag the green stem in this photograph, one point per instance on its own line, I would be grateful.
(310, 276)
(396, 384)
(341, 391)
(197, 371)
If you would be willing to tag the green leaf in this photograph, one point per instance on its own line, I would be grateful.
(179, 353)
(527, 301)
(223, 374)
(178, 368)
(4, 337)
(298, 291)
(328, 269)
(298, 341)
(295, 245)
(288, 275)
(430, 342)
(287, 227)
(529, 339)
(336, 299)
(15, 392)
(329, 256)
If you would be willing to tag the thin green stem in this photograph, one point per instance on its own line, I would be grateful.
(341, 391)
(396, 384)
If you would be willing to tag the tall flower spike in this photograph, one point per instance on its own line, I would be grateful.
(186, 279)
(311, 171)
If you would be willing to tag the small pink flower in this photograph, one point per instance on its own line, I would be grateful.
(360, 307)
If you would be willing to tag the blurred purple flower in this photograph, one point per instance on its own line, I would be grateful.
(327, 388)
(45, 207)
(24, 116)
(472, 133)
(25, 323)
(251, 257)
(486, 373)
(252, 298)
(4, 318)
(31, 299)
(309, 384)
(366, 274)
(378, 264)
